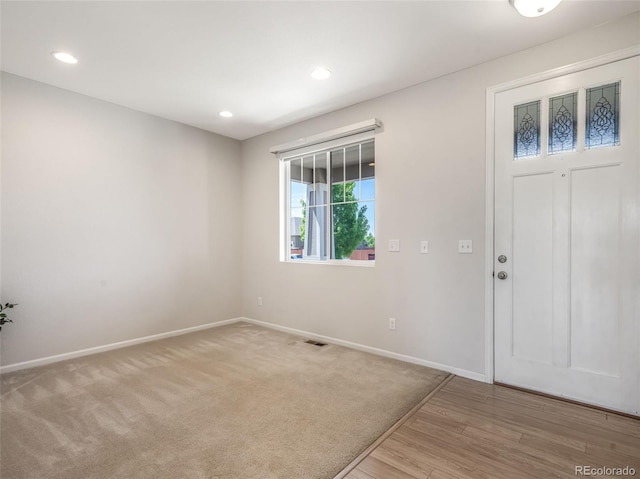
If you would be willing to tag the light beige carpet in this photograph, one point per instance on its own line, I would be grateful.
(235, 402)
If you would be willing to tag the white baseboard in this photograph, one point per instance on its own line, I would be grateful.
(108, 347)
(348, 344)
(368, 349)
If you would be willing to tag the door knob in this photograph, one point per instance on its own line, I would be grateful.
(502, 275)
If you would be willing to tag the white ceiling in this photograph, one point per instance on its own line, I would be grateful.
(187, 61)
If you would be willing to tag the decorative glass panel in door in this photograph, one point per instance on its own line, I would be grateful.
(526, 134)
(603, 116)
(562, 123)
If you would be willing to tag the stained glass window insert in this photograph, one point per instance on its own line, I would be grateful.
(603, 124)
(526, 135)
(562, 123)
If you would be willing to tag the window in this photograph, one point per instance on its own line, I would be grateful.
(601, 118)
(526, 130)
(603, 105)
(563, 131)
(329, 201)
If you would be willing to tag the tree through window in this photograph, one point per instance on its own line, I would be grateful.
(330, 204)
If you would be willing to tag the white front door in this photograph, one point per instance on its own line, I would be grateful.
(567, 236)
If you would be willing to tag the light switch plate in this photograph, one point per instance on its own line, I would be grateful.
(394, 245)
(424, 247)
(465, 246)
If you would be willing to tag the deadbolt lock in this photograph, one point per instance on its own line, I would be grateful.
(502, 258)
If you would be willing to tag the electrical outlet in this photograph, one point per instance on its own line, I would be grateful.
(259, 300)
(424, 247)
(465, 246)
(392, 324)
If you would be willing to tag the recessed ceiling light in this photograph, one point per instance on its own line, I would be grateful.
(534, 8)
(225, 114)
(320, 74)
(65, 57)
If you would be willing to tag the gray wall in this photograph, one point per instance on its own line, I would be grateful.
(430, 174)
(115, 224)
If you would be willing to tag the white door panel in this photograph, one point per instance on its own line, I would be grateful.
(594, 280)
(532, 258)
(567, 313)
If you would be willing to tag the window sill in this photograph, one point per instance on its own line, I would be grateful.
(357, 264)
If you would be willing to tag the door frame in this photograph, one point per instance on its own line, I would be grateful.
(490, 181)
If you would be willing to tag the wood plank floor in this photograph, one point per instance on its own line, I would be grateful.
(472, 430)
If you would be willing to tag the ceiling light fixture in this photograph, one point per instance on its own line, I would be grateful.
(65, 57)
(534, 8)
(320, 73)
(225, 114)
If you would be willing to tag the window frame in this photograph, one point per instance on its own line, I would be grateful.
(318, 148)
